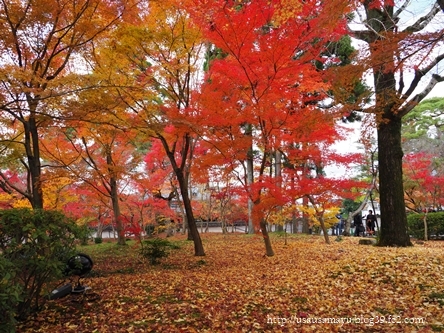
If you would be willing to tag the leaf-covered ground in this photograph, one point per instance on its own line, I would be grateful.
(307, 286)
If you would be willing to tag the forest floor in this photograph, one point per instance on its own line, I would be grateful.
(308, 286)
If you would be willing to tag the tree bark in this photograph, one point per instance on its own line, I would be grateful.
(426, 231)
(393, 214)
(192, 226)
(324, 230)
(268, 248)
(250, 180)
(305, 223)
(182, 179)
(32, 149)
(388, 115)
(115, 199)
(278, 176)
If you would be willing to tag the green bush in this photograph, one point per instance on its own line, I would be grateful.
(156, 249)
(34, 246)
(98, 240)
(10, 295)
(85, 234)
(435, 225)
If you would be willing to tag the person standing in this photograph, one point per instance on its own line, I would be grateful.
(357, 222)
(370, 223)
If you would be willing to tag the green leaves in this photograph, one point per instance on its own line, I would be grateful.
(34, 245)
(156, 249)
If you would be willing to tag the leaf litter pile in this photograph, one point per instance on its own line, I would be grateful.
(308, 286)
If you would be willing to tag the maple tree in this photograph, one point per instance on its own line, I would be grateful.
(90, 209)
(422, 165)
(423, 184)
(401, 55)
(155, 71)
(42, 41)
(261, 94)
(106, 160)
(158, 188)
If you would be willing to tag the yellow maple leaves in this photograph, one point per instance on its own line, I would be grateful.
(315, 287)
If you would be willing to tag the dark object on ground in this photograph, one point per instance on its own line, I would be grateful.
(367, 241)
(62, 291)
(78, 265)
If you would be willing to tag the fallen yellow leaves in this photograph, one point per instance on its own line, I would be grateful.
(307, 286)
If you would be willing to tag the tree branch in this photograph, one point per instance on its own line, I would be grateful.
(419, 74)
(401, 9)
(364, 35)
(9, 187)
(420, 96)
(422, 22)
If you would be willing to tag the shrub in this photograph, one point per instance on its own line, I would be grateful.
(156, 249)
(435, 225)
(98, 240)
(36, 244)
(85, 234)
(10, 295)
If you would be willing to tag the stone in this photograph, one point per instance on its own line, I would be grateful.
(367, 241)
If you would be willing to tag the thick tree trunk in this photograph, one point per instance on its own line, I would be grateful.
(391, 191)
(393, 214)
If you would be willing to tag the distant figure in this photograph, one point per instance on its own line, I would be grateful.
(359, 228)
(340, 227)
(370, 223)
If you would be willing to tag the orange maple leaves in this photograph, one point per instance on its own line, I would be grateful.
(236, 289)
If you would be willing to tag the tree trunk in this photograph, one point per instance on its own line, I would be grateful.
(278, 176)
(250, 201)
(324, 230)
(250, 178)
(224, 227)
(393, 214)
(305, 222)
(99, 233)
(32, 149)
(268, 248)
(348, 225)
(192, 226)
(115, 201)
(388, 117)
